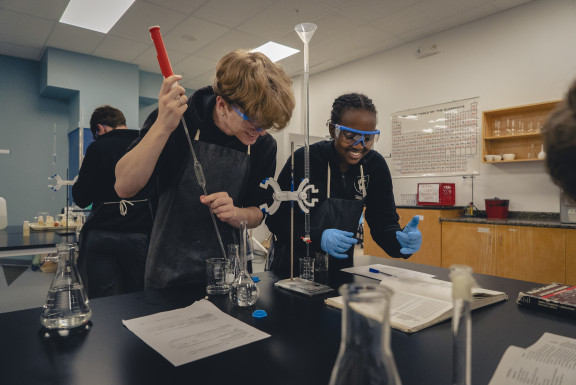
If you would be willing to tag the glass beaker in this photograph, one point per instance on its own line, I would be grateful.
(365, 356)
(67, 304)
(243, 291)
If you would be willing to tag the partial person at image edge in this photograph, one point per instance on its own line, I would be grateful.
(559, 135)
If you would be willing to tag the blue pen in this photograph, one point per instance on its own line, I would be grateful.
(373, 270)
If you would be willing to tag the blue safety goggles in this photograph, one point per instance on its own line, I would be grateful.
(353, 136)
(245, 117)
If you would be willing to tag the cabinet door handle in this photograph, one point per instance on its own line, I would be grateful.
(500, 239)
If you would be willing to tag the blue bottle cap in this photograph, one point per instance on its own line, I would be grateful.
(259, 314)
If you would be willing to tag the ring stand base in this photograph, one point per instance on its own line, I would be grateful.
(303, 286)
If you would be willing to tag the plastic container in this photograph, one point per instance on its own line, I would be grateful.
(436, 194)
(497, 208)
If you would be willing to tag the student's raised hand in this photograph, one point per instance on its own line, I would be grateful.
(410, 238)
(172, 102)
(337, 242)
(222, 205)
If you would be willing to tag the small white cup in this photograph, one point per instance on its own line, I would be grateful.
(489, 158)
(497, 157)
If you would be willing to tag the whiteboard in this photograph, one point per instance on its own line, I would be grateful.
(437, 140)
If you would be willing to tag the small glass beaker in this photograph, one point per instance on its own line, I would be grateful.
(307, 268)
(67, 304)
(365, 356)
(216, 270)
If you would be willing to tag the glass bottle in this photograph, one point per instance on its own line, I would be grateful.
(365, 356)
(233, 268)
(243, 291)
(67, 304)
(462, 284)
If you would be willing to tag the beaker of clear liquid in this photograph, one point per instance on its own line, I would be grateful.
(365, 356)
(243, 291)
(67, 304)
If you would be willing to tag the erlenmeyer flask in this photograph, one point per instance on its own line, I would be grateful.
(365, 356)
(243, 291)
(67, 304)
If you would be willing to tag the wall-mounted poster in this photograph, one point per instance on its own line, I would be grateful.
(436, 140)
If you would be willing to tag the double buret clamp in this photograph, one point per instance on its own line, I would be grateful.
(300, 196)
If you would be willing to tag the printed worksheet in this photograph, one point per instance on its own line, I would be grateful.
(550, 361)
(194, 332)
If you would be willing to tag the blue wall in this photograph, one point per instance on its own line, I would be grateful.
(61, 90)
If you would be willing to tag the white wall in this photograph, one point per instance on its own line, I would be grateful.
(521, 56)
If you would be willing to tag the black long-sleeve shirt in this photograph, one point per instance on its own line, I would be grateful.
(198, 116)
(380, 209)
(95, 184)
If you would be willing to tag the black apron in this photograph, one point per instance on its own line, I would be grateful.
(333, 213)
(107, 224)
(183, 235)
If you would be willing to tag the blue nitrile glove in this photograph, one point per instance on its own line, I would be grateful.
(410, 238)
(336, 242)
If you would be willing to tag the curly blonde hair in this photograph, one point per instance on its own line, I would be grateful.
(261, 88)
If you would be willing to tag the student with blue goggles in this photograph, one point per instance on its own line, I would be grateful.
(351, 178)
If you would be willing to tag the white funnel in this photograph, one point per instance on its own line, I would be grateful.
(305, 31)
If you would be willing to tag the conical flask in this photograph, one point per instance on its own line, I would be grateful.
(67, 304)
(365, 356)
(243, 291)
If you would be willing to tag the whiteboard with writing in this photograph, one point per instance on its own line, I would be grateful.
(436, 140)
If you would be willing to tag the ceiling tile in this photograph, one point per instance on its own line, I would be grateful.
(231, 13)
(75, 39)
(52, 9)
(206, 79)
(186, 6)
(193, 66)
(34, 34)
(119, 49)
(370, 10)
(228, 42)
(192, 34)
(135, 23)
(24, 52)
(148, 61)
(281, 18)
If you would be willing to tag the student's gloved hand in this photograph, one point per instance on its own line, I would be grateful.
(410, 238)
(337, 242)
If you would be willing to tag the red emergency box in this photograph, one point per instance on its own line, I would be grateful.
(436, 194)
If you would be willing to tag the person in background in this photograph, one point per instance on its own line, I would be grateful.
(350, 176)
(228, 123)
(114, 240)
(559, 135)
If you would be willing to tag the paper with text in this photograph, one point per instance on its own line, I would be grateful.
(194, 332)
(551, 360)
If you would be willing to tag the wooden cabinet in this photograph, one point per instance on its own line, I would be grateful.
(469, 244)
(514, 130)
(430, 253)
(535, 254)
(571, 257)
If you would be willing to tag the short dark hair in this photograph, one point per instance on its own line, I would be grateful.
(351, 101)
(559, 135)
(106, 115)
